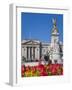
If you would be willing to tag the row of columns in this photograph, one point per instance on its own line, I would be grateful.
(30, 53)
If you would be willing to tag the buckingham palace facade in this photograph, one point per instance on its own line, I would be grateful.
(34, 49)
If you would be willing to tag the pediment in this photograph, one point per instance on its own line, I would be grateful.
(31, 42)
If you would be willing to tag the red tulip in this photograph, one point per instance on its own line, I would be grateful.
(22, 68)
(53, 71)
(33, 69)
(43, 74)
(27, 68)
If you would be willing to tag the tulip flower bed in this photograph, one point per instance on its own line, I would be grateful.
(42, 70)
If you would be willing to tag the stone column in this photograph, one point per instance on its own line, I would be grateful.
(25, 52)
(29, 53)
(38, 53)
(32, 54)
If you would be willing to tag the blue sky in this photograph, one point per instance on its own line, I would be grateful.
(39, 26)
